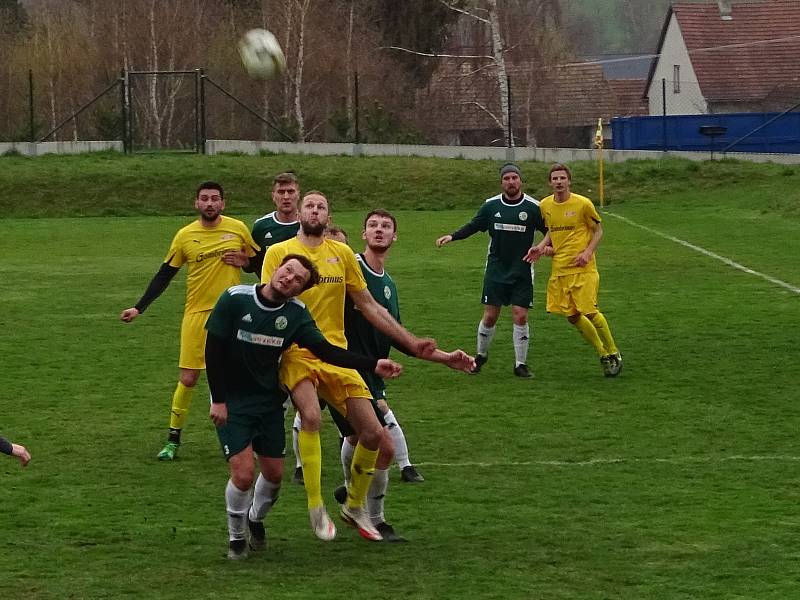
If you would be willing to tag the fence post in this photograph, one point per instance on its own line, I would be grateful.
(127, 128)
(356, 128)
(202, 100)
(664, 113)
(31, 126)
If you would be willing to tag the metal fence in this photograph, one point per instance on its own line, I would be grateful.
(178, 110)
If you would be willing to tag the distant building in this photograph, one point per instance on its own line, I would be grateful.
(727, 56)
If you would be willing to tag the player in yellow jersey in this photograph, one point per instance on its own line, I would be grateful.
(214, 247)
(573, 233)
(302, 374)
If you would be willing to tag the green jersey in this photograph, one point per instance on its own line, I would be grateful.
(258, 334)
(511, 227)
(362, 337)
(267, 230)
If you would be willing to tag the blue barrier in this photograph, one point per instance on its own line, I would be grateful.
(682, 132)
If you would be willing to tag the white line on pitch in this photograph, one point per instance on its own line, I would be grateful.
(613, 461)
(727, 261)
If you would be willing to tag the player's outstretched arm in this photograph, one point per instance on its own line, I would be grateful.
(445, 239)
(380, 318)
(7, 447)
(156, 287)
(21, 453)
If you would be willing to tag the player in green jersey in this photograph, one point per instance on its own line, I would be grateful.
(279, 225)
(380, 232)
(510, 218)
(248, 330)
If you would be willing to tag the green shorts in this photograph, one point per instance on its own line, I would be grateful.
(519, 293)
(265, 431)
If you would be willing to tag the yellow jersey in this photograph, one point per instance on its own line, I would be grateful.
(201, 248)
(570, 225)
(339, 274)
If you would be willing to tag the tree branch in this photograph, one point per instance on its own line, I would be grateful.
(417, 53)
(463, 12)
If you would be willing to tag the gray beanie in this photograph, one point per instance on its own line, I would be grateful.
(509, 168)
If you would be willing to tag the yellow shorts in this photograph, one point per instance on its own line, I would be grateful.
(193, 340)
(335, 384)
(573, 294)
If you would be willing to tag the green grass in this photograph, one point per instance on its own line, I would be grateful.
(110, 184)
(679, 479)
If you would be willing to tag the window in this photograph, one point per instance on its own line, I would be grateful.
(676, 79)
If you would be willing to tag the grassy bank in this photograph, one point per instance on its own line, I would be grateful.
(110, 184)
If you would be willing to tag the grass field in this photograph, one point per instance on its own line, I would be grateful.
(679, 479)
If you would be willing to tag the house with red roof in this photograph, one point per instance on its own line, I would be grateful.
(727, 56)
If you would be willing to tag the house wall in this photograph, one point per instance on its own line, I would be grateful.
(689, 101)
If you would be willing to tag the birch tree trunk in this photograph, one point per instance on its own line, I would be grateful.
(500, 63)
(298, 83)
(152, 116)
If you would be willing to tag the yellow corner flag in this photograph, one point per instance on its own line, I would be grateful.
(598, 135)
(598, 143)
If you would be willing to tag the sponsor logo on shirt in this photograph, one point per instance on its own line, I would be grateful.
(497, 214)
(268, 236)
(248, 318)
(281, 323)
(259, 339)
(213, 254)
(332, 259)
(335, 279)
(509, 227)
(228, 236)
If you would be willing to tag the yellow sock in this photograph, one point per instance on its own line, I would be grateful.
(311, 456)
(181, 400)
(361, 472)
(589, 333)
(604, 332)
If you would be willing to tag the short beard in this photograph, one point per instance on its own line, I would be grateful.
(312, 230)
(208, 219)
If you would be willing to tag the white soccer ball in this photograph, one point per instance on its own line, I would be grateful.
(261, 54)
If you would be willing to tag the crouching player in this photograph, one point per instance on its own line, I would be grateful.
(247, 331)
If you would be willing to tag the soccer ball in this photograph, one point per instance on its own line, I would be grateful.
(261, 54)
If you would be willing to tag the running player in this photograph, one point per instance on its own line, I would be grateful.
(574, 231)
(511, 219)
(214, 247)
(247, 331)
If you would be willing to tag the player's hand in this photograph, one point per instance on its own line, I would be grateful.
(218, 413)
(129, 314)
(445, 239)
(582, 259)
(459, 360)
(236, 258)
(424, 348)
(388, 369)
(21, 453)
(532, 255)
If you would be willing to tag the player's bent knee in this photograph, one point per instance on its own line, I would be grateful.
(387, 446)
